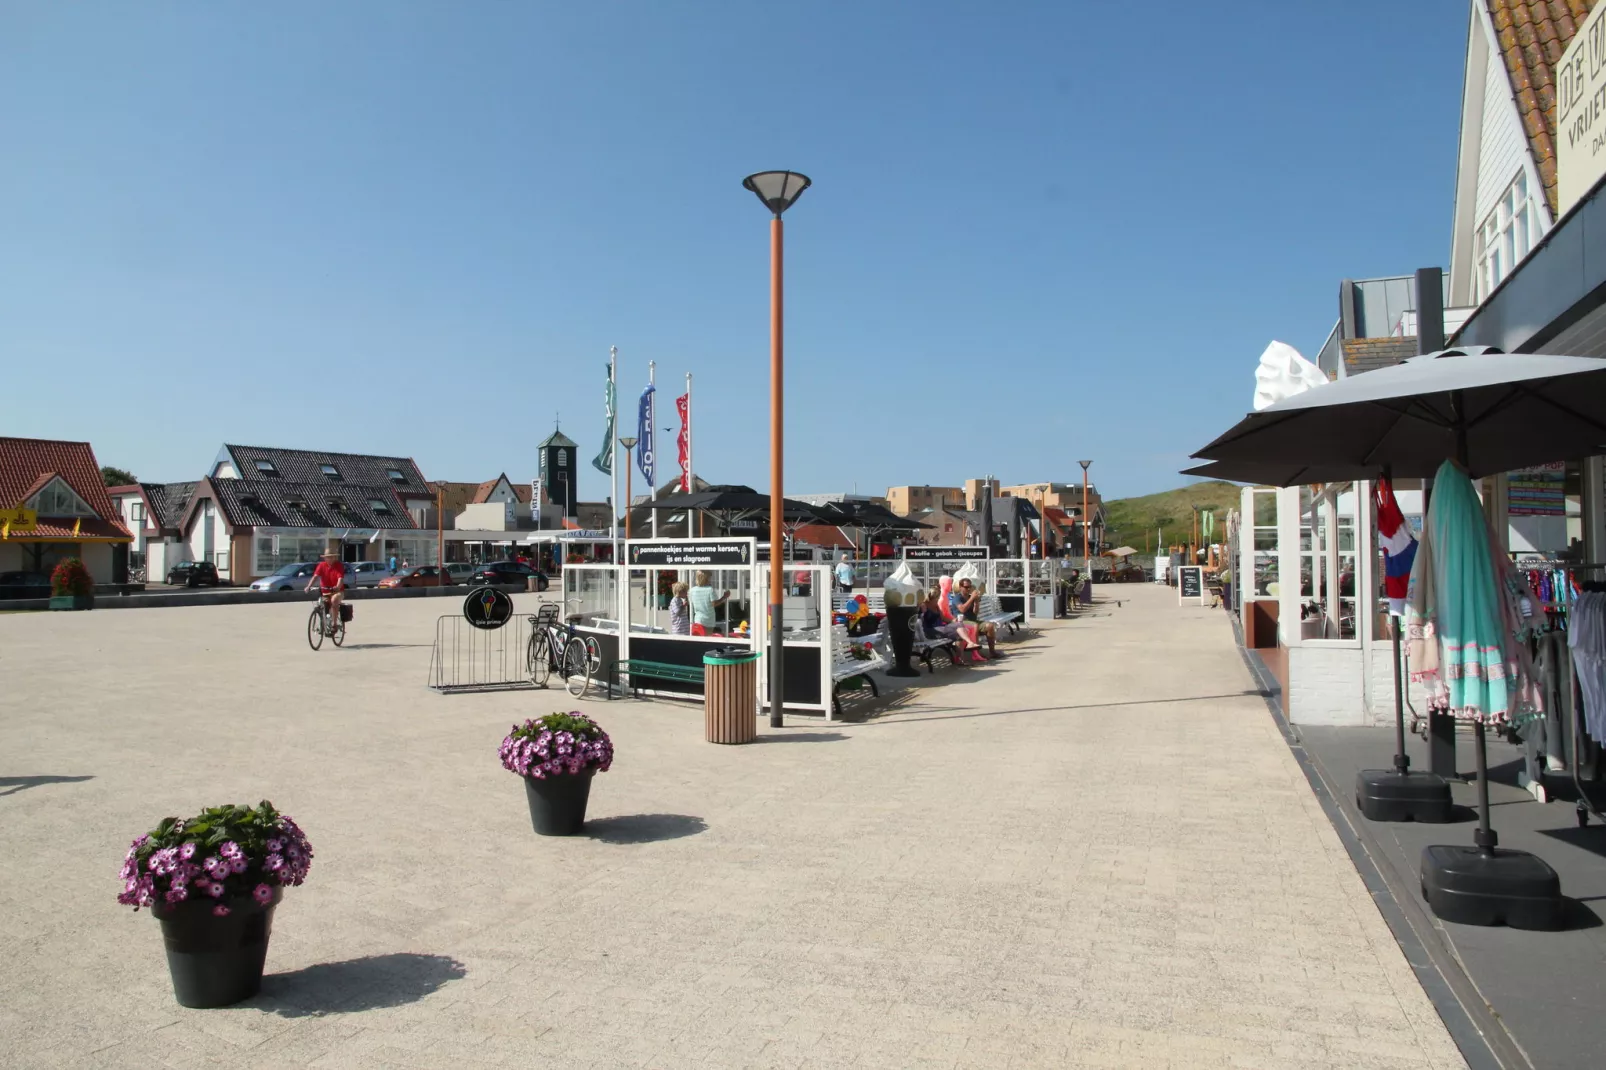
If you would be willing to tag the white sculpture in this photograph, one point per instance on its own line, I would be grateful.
(1282, 374)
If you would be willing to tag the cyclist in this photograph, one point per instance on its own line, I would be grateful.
(330, 577)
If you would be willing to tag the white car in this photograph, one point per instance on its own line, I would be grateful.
(460, 571)
(288, 578)
(366, 573)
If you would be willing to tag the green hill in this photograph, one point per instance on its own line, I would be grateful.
(1135, 522)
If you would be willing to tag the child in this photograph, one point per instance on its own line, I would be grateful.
(679, 610)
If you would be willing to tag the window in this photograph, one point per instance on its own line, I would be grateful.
(339, 506)
(379, 508)
(267, 468)
(396, 476)
(331, 473)
(58, 499)
(136, 512)
(1506, 236)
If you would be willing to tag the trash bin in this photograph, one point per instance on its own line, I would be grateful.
(530, 584)
(730, 695)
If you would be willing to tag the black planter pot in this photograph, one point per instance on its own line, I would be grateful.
(216, 961)
(558, 803)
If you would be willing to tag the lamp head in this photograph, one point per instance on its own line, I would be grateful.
(629, 442)
(779, 190)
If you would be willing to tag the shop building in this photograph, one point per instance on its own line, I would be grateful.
(151, 511)
(909, 500)
(53, 506)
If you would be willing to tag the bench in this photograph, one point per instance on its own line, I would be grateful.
(874, 599)
(844, 666)
(636, 668)
(990, 612)
(925, 644)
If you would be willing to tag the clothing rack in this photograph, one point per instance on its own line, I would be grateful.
(1563, 583)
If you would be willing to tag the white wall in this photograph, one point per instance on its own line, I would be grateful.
(1504, 145)
(1326, 686)
(484, 516)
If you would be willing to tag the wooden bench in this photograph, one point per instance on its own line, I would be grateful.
(635, 668)
(990, 612)
(925, 644)
(844, 666)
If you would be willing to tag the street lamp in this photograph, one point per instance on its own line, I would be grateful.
(778, 190)
(1088, 564)
(629, 443)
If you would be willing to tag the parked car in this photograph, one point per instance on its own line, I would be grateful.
(287, 578)
(24, 585)
(460, 571)
(418, 576)
(193, 574)
(365, 573)
(510, 572)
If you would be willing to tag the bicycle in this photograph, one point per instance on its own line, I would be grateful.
(323, 624)
(577, 657)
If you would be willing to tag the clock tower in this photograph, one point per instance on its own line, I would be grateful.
(560, 472)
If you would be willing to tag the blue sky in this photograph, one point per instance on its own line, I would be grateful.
(1038, 232)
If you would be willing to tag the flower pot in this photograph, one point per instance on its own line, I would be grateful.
(558, 803)
(216, 961)
(72, 601)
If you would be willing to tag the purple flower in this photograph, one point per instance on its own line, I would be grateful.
(231, 850)
(273, 863)
(263, 893)
(215, 889)
(177, 894)
(275, 845)
(221, 911)
(187, 852)
(238, 865)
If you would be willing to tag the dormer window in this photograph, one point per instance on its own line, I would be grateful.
(331, 473)
(268, 469)
(378, 507)
(339, 506)
(396, 476)
(56, 498)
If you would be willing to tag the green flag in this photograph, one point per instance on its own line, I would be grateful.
(603, 461)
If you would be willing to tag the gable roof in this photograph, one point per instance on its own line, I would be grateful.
(267, 503)
(27, 464)
(306, 466)
(556, 438)
(166, 502)
(1532, 35)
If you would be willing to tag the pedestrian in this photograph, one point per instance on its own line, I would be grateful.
(703, 604)
(393, 563)
(679, 610)
(844, 573)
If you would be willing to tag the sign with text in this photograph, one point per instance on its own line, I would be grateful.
(1540, 491)
(945, 553)
(1581, 111)
(692, 553)
(1190, 584)
(487, 608)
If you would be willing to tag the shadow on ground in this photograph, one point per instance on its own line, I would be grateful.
(14, 784)
(643, 828)
(382, 646)
(783, 736)
(364, 984)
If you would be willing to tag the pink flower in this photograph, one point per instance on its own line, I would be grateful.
(263, 893)
(238, 865)
(187, 852)
(221, 911)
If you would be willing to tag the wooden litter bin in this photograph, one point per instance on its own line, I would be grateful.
(730, 696)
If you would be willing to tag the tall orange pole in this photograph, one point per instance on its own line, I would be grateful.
(440, 530)
(777, 497)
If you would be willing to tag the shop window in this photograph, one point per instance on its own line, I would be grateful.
(1505, 236)
(1327, 561)
(1266, 563)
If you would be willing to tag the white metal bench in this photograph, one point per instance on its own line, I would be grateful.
(925, 644)
(990, 612)
(874, 598)
(844, 666)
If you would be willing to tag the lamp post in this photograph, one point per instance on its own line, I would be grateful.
(629, 443)
(1086, 557)
(778, 190)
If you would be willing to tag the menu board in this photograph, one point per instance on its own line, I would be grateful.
(1539, 491)
(1190, 583)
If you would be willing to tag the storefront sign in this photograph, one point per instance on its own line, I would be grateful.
(1581, 111)
(1539, 491)
(488, 608)
(945, 553)
(693, 552)
(15, 520)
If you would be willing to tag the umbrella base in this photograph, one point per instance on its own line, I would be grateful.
(1390, 795)
(1494, 887)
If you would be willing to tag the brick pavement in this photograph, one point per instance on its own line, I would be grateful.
(1097, 853)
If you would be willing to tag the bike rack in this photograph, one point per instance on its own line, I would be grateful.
(466, 658)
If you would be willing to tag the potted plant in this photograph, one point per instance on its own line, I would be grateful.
(71, 586)
(213, 881)
(557, 756)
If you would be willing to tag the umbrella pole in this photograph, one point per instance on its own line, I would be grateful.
(1402, 761)
(1485, 837)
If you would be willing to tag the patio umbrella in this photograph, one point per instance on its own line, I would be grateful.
(1273, 474)
(733, 503)
(1490, 411)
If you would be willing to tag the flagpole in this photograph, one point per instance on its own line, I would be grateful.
(690, 469)
(652, 429)
(613, 448)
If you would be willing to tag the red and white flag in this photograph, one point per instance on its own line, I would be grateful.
(1398, 545)
(683, 440)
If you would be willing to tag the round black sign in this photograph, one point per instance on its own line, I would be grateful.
(487, 607)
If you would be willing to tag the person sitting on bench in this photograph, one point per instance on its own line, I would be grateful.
(932, 620)
(969, 609)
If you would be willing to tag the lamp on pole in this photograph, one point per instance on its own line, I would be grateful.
(1086, 556)
(778, 190)
(629, 443)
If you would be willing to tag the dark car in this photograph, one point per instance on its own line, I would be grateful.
(23, 585)
(509, 572)
(193, 574)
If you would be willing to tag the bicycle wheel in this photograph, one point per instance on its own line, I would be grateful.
(315, 628)
(338, 632)
(594, 656)
(576, 668)
(539, 660)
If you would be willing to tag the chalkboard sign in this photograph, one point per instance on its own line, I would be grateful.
(1190, 584)
(945, 553)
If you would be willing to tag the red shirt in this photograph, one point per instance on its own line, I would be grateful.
(330, 574)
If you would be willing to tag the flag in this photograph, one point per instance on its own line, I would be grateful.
(603, 461)
(683, 440)
(1398, 545)
(644, 440)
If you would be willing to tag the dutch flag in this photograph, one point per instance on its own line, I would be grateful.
(1399, 547)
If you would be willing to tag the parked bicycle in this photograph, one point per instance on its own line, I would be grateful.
(326, 624)
(577, 658)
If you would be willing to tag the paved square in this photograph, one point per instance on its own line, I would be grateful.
(1098, 852)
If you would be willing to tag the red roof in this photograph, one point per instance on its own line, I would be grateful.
(27, 464)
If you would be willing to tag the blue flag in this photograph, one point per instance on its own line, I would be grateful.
(644, 440)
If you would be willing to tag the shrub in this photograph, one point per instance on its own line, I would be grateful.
(226, 851)
(70, 577)
(557, 744)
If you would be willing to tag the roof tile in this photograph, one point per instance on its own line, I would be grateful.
(24, 461)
